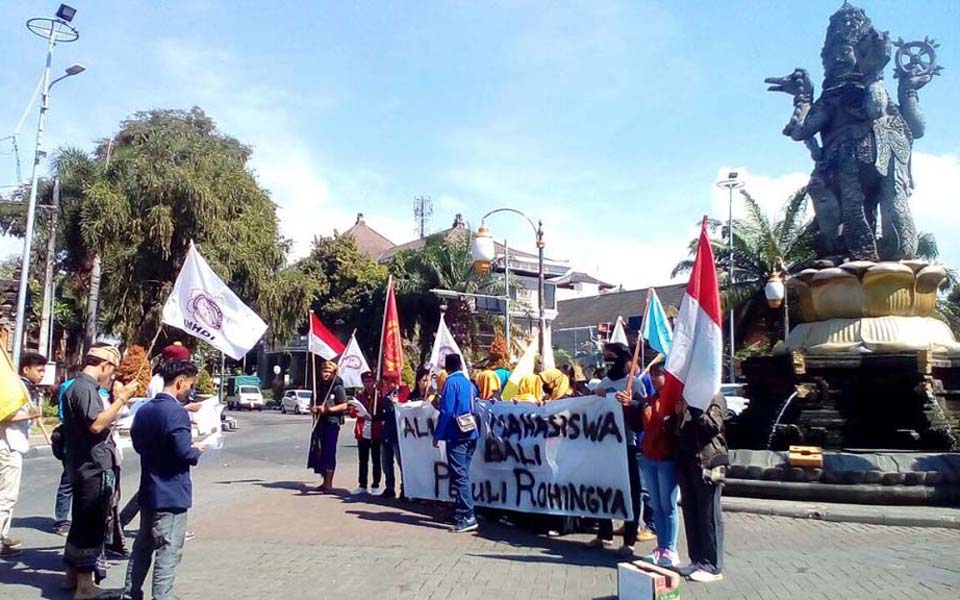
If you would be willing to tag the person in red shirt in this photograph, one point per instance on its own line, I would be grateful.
(660, 471)
(368, 432)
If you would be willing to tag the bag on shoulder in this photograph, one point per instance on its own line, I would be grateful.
(467, 422)
(57, 442)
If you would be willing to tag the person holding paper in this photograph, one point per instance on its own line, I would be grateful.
(323, 441)
(14, 443)
(394, 393)
(368, 433)
(161, 436)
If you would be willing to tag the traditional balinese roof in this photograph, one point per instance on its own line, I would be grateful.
(369, 241)
(605, 308)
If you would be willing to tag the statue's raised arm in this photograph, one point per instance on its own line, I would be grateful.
(916, 66)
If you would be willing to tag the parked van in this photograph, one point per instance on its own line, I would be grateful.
(243, 391)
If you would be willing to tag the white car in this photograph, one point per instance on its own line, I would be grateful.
(248, 396)
(296, 401)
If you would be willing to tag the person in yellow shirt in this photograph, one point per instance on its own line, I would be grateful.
(530, 389)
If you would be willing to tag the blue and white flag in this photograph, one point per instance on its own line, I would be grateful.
(656, 327)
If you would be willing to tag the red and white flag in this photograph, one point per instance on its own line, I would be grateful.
(321, 341)
(695, 363)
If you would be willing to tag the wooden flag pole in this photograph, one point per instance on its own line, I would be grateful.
(311, 366)
(637, 350)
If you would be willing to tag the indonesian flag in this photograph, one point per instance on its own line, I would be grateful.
(695, 361)
(391, 344)
(321, 341)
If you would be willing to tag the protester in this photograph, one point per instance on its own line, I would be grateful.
(368, 433)
(61, 510)
(393, 393)
(659, 470)
(504, 376)
(161, 436)
(91, 460)
(488, 386)
(175, 351)
(14, 443)
(326, 432)
(556, 384)
(702, 459)
(530, 389)
(457, 426)
(615, 382)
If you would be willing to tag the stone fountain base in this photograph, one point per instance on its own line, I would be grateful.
(852, 477)
(873, 334)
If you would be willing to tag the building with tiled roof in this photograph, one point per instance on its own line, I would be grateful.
(369, 241)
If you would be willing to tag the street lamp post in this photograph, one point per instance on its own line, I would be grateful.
(483, 253)
(776, 293)
(54, 30)
(732, 182)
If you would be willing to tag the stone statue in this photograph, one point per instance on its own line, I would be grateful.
(862, 159)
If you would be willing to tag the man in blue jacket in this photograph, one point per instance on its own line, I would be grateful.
(461, 439)
(161, 436)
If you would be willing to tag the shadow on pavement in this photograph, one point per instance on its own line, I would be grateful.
(37, 568)
(44, 524)
(555, 550)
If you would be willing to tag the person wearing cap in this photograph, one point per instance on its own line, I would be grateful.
(175, 351)
(91, 461)
(322, 457)
(368, 432)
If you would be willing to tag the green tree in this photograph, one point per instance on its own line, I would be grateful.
(758, 246)
(136, 202)
(443, 263)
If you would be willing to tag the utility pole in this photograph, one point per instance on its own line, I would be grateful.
(45, 343)
(422, 211)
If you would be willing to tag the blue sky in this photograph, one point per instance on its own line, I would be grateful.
(608, 120)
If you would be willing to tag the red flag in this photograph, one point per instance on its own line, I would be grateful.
(321, 341)
(695, 361)
(391, 343)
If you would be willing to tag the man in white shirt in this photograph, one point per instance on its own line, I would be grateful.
(14, 443)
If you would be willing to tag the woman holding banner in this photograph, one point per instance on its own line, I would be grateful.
(323, 442)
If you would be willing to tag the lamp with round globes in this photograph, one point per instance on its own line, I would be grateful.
(483, 251)
(774, 290)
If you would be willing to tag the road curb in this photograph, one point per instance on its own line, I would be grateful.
(880, 515)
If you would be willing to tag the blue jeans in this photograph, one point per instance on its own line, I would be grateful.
(61, 509)
(162, 534)
(646, 510)
(459, 455)
(389, 452)
(660, 477)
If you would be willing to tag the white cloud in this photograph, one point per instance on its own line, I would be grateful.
(936, 201)
(770, 192)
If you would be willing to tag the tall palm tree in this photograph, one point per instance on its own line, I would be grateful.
(759, 245)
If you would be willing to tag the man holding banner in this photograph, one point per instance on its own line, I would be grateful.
(457, 427)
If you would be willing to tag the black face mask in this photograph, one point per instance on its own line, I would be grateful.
(616, 366)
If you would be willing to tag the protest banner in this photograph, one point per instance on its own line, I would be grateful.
(567, 457)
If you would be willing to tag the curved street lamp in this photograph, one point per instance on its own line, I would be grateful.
(54, 30)
(483, 252)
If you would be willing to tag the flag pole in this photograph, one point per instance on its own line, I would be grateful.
(639, 350)
(383, 324)
(311, 365)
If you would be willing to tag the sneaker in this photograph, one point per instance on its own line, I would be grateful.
(669, 559)
(465, 526)
(625, 551)
(598, 543)
(359, 491)
(12, 543)
(646, 536)
(688, 570)
(702, 576)
(652, 558)
(9, 552)
(62, 529)
(375, 491)
(189, 535)
(388, 493)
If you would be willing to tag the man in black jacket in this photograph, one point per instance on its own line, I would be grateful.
(702, 458)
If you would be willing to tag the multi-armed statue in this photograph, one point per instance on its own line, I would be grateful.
(862, 160)
(868, 291)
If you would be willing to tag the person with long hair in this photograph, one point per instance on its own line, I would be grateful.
(330, 410)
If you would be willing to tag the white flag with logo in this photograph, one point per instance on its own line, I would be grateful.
(444, 344)
(203, 306)
(352, 365)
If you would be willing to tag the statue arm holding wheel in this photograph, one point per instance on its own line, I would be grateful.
(916, 66)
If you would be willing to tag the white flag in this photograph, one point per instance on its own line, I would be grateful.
(619, 336)
(203, 306)
(352, 365)
(444, 344)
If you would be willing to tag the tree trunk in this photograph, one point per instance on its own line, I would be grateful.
(93, 301)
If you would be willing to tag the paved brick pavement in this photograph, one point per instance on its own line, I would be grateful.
(263, 534)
